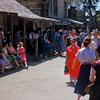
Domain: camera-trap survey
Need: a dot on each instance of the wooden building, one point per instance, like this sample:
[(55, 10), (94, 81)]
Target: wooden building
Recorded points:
[(14, 15), (33, 5)]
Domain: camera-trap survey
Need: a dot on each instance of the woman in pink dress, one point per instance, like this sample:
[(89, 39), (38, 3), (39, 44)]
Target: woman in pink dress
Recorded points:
[(13, 53), (70, 55), (21, 53)]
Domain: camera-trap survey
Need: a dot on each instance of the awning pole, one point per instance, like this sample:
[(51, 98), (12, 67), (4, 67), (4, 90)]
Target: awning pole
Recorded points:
[(12, 29), (36, 49), (34, 26), (41, 25), (24, 33)]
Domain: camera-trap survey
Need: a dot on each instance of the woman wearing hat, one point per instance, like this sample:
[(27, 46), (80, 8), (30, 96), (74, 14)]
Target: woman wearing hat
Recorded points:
[(70, 55)]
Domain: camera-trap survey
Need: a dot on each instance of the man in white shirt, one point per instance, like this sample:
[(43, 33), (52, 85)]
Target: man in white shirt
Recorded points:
[(31, 37), (96, 39), (73, 35)]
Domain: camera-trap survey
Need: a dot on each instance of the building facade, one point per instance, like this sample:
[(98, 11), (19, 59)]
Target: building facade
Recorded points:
[(59, 9), (47, 8), (33, 5)]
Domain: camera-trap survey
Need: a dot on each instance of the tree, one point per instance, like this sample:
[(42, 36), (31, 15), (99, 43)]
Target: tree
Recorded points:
[(79, 3), (76, 3), (98, 17)]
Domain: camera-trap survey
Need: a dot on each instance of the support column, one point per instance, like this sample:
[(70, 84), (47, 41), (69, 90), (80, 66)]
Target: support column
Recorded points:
[(54, 25), (12, 30), (36, 50), (24, 33), (5, 23), (41, 24), (36, 42), (34, 27)]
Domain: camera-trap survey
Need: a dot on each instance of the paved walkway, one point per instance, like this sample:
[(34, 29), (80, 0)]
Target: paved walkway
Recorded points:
[(43, 81)]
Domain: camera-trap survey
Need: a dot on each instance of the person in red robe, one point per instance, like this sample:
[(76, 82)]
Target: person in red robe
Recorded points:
[(70, 55)]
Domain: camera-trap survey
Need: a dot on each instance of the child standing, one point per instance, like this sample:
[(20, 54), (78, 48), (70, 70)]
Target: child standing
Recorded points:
[(21, 53)]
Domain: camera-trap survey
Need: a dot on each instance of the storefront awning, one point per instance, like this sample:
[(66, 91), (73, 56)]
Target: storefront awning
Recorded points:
[(67, 21), (75, 21)]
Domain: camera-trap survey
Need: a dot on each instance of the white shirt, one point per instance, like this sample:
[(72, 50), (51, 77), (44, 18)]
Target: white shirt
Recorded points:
[(74, 37), (35, 36), (30, 36), (95, 40), (85, 55), (92, 45)]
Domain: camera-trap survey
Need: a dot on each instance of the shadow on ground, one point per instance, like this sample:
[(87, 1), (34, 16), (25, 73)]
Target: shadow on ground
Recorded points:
[(70, 84), (11, 71), (31, 62)]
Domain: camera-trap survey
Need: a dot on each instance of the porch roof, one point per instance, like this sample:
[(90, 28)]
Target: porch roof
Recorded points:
[(12, 6)]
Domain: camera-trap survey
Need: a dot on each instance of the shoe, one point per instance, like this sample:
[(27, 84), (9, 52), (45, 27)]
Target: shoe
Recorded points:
[(22, 66), (26, 67), (2, 72), (18, 65), (10, 66), (41, 56), (46, 56), (75, 83)]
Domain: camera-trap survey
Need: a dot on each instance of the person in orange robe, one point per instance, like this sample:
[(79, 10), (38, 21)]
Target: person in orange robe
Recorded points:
[(70, 55)]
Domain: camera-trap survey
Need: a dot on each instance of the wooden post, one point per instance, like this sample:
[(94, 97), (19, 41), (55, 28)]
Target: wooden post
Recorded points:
[(54, 25), (34, 27), (4, 19), (36, 49), (24, 33), (36, 42), (12, 29), (41, 25)]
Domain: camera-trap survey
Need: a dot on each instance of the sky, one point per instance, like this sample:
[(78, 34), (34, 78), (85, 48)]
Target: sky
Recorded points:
[(98, 8)]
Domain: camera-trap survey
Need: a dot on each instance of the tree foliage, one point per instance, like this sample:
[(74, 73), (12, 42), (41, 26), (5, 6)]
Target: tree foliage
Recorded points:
[(77, 3), (98, 17)]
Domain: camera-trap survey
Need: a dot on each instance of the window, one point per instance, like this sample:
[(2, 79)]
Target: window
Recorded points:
[(55, 7), (65, 9)]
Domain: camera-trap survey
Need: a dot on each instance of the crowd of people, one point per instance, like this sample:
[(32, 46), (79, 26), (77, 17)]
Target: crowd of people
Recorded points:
[(82, 53), (82, 60), (12, 53), (10, 56)]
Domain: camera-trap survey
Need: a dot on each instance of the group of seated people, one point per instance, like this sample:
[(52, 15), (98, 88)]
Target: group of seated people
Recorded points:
[(9, 57)]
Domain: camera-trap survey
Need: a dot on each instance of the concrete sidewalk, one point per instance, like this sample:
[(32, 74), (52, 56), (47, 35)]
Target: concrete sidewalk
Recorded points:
[(44, 80)]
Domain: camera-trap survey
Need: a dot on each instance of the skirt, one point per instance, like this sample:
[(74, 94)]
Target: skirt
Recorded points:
[(83, 79), (45, 47)]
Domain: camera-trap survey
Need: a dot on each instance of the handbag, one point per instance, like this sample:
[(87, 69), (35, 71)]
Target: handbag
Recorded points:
[(66, 70), (89, 87)]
